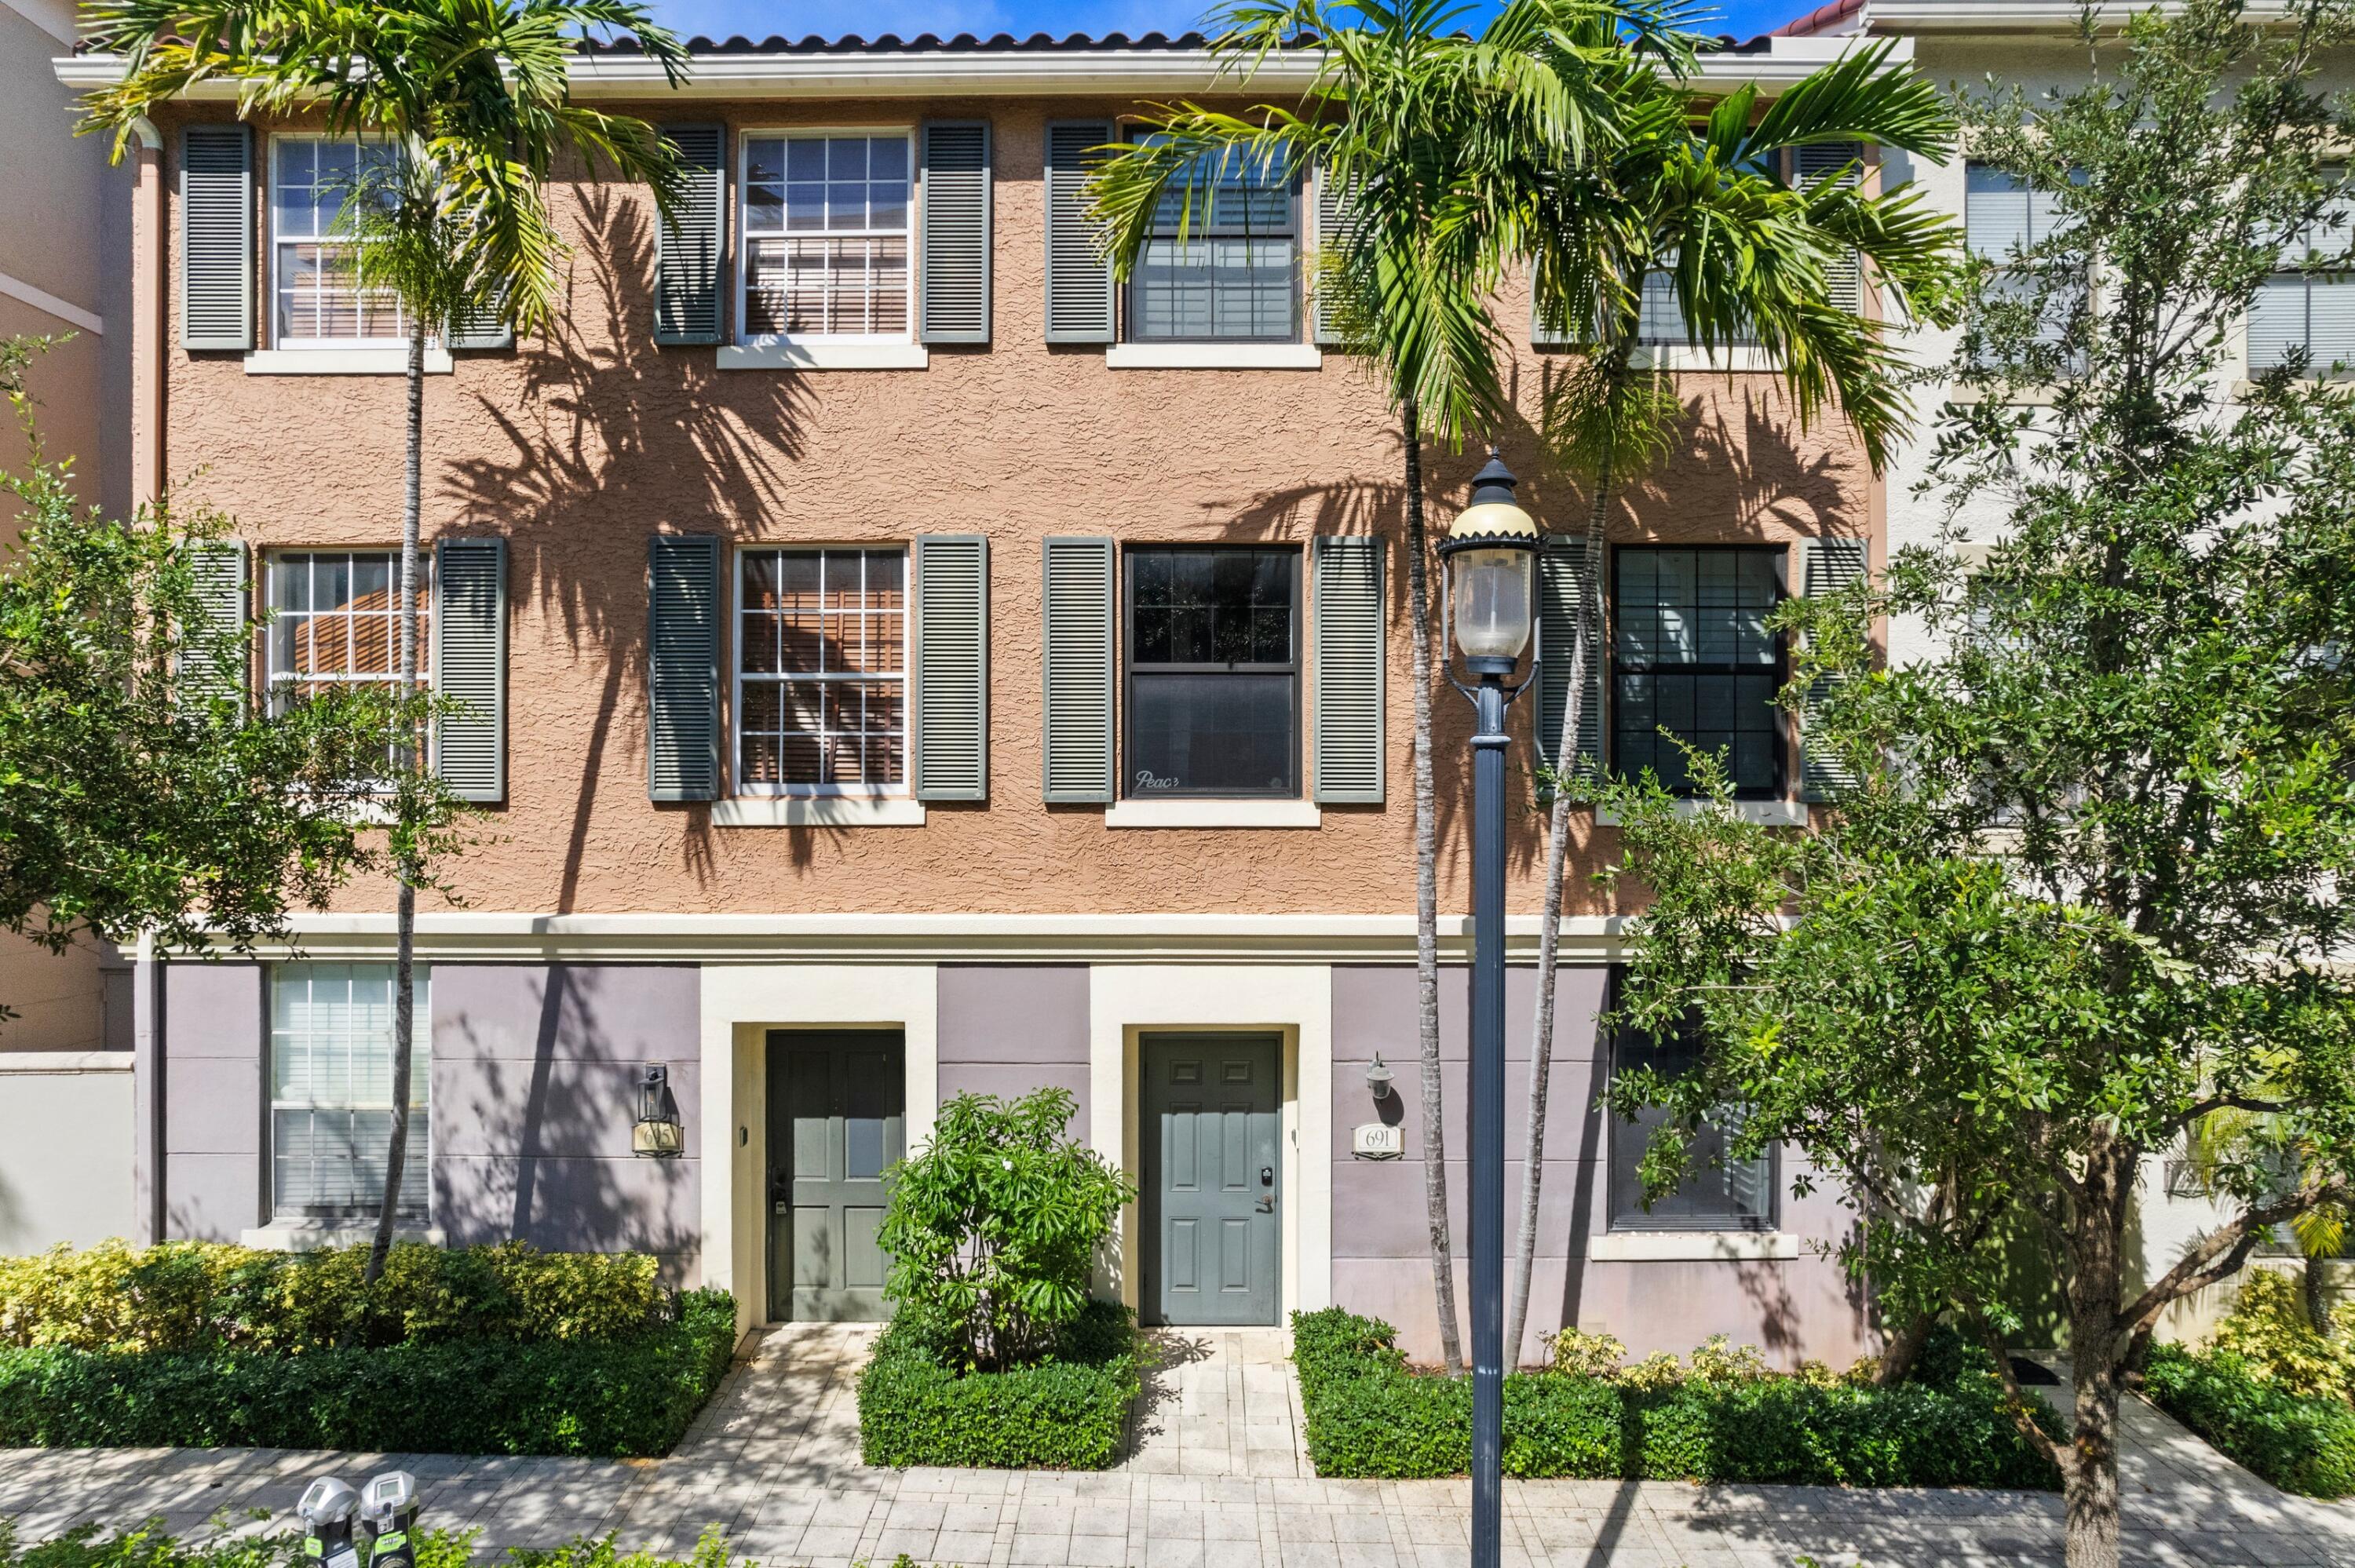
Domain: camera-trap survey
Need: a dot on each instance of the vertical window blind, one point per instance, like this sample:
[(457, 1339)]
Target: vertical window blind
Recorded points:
[(331, 1091)]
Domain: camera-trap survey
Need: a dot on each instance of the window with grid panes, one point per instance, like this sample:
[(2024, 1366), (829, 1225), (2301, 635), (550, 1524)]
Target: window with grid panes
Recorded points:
[(821, 672), (335, 619), (1692, 656), (1222, 260), (2307, 310), (826, 237), (314, 300), (331, 1092), (1718, 1193), (1213, 671)]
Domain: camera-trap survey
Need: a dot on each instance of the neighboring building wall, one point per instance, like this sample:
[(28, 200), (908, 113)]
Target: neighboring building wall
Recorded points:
[(1009, 1029), (65, 1149)]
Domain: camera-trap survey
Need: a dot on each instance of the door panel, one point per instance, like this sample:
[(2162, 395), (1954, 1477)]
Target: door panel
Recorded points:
[(1208, 1114), (837, 1107)]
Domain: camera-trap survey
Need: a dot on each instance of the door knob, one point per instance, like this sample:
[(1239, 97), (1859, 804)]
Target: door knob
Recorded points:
[(1267, 1189)]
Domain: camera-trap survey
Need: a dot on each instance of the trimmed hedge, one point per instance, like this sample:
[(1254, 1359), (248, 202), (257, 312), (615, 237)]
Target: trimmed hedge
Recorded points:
[(1069, 1412), (1369, 1415), (2301, 1443), (618, 1398)]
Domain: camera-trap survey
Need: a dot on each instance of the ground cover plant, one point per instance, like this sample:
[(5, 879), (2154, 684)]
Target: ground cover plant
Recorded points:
[(2273, 1389), (1721, 1415), (995, 1355), (484, 1350)]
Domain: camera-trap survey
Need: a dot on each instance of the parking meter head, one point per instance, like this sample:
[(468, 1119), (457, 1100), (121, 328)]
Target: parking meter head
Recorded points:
[(328, 1502), (389, 1499)]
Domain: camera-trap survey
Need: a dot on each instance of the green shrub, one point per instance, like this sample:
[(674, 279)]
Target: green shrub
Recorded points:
[(2301, 1443), (1725, 1420), (993, 1227), (207, 1295), (622, 1397), (1067, 1411), (2269, 1330), (148, 1546)]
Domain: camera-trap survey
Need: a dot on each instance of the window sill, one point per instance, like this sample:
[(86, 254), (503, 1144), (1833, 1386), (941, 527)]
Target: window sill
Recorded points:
[(2017, 397), (819, 355), (1689, 357), (305, 1235), (342, 362), (1692, 1247), (818, 811), (1214, 356), (1765, 814), (1213, 814)]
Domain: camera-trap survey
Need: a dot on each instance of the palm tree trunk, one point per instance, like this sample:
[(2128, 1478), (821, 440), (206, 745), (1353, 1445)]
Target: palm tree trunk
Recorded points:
[(404, 993), (1426, 897)]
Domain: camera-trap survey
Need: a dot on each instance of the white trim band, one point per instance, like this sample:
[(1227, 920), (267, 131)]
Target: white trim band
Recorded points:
[(1201, 813), (1765, 814), (818, 811), (1214, 356), (342, 362), (809, 354), (42, 299), (14, 1063), (1692, 1247)]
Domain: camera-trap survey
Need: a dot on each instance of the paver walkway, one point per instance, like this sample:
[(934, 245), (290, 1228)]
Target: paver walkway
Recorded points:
[(1210, 1483)]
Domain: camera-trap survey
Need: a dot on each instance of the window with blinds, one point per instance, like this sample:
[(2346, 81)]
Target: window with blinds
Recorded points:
[(821, 672), (331, 1092), (316, 302), (1661, 321), (2305, 313), (1691, 656), (1222, 262), (826, 237), (2003, 217), (1719, 1193)]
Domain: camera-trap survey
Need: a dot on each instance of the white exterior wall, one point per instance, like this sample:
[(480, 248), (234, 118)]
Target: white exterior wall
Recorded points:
[(64, 1148)]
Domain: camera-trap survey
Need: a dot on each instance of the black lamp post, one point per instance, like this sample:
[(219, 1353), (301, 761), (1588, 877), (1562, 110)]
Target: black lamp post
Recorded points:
[(1490, 556)]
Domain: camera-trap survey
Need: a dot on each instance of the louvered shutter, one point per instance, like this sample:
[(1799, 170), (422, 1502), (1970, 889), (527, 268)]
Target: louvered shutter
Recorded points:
[(952, 667), (1346, 667), (1081, 578), (470, 666), (1563, 569), (954, 282), (1545, 334), (1843, 280), (689, 246), (217, 238), (1826, 567), (219, 567), (1332, 217), (486, 328), (683, 667), (1079, 274)]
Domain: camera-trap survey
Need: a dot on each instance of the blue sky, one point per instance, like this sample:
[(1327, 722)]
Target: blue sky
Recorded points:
[(759, 18)]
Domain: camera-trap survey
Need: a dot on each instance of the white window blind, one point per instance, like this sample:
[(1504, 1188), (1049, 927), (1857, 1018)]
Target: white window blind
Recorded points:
[(2307, 312), (316, 304), (1222, 260), (331, 1091), (826, 237)]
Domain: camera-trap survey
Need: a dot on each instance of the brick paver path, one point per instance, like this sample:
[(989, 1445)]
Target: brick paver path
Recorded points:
[(1216, 1480)]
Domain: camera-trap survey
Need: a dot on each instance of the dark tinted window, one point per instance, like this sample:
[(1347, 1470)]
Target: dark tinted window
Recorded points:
[(1214, 672), (1716, 1195), (1692, 656)]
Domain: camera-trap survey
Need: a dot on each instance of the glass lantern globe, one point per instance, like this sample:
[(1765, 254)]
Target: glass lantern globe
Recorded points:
[(1491, 555)]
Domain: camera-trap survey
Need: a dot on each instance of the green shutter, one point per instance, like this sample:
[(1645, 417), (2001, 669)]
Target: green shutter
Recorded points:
[(1844, 278), (1564, 570), (1826, 566), (689, 246), (217, 238), (219, 567), (1346, 712), (1079, 273), (953, 286), (952, 667), (487, 327), (1081, 578), (683, 667), (470, 666), (1332, 220)]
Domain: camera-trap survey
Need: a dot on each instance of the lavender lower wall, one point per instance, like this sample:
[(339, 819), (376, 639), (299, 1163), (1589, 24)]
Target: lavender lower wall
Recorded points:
[(213, 1110), (1381, 1263), (1009, 1029)]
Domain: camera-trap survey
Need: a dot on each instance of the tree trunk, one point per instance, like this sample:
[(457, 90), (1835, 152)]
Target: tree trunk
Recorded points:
[(1426, 896), (2090, 1485), (2317, 1294), (404, 993), (1903, 1350)]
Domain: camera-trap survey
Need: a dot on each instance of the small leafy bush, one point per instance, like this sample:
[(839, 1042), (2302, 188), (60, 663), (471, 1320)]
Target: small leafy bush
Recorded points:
[(1725, 1418), (2269, 1331), (184, 1296), (994, 1226), (2301, 1443), (1069, 1410), (149, 1546), (620, 1397), (585, 1551)]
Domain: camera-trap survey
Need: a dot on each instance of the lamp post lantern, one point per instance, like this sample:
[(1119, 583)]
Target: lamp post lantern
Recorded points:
[(1490, 557)]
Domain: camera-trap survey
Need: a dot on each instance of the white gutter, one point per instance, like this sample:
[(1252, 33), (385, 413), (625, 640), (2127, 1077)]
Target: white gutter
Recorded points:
[(1013, 73), (2057, 16)]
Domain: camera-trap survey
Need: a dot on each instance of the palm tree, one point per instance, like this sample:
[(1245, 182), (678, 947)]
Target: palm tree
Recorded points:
[(1438, 138), (472, 100), (1698, 195)]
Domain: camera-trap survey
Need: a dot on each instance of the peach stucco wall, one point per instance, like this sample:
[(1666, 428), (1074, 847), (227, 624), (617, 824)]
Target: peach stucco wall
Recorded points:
[(581, 445)]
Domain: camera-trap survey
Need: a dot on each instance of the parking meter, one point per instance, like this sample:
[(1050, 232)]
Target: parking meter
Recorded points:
[(329, 1511), (388, 1508)]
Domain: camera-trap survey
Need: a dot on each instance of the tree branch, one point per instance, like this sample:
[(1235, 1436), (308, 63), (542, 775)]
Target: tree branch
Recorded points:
[(2223, 1252), (2015, 1402)]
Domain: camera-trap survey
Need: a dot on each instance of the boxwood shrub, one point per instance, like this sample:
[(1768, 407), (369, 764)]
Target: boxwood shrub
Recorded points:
[(2299, 1441), (1068, 1412), (624, 1397), (1369, 1415)]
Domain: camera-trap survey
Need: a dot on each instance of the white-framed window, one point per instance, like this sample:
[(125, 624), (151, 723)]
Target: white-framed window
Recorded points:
[(331, 1092), (2301, 313), (2004, 216), (827, 237), (1719, 1192), (1222, 263), (821, 700), (335, 619), (313, 302)]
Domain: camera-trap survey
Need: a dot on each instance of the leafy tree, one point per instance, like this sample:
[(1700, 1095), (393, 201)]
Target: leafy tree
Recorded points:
[(2086, 894), (1697, 194), (994, 1226), (139, 790), (472, 101), (1444, 143)]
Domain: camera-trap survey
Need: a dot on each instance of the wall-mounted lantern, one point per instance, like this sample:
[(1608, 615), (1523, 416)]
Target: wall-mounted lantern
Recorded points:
[(1378, 1077), (657, 1134)]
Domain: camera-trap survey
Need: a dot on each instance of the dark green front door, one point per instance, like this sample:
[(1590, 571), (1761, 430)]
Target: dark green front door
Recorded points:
[(837, 1117), (1209, 1119)]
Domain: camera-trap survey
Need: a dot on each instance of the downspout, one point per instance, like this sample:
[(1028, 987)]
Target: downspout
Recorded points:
[(148, 269)]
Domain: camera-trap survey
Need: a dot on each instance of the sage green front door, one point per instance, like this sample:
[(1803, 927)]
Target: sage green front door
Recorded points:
[(837, 1118), (1211, 1126)]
